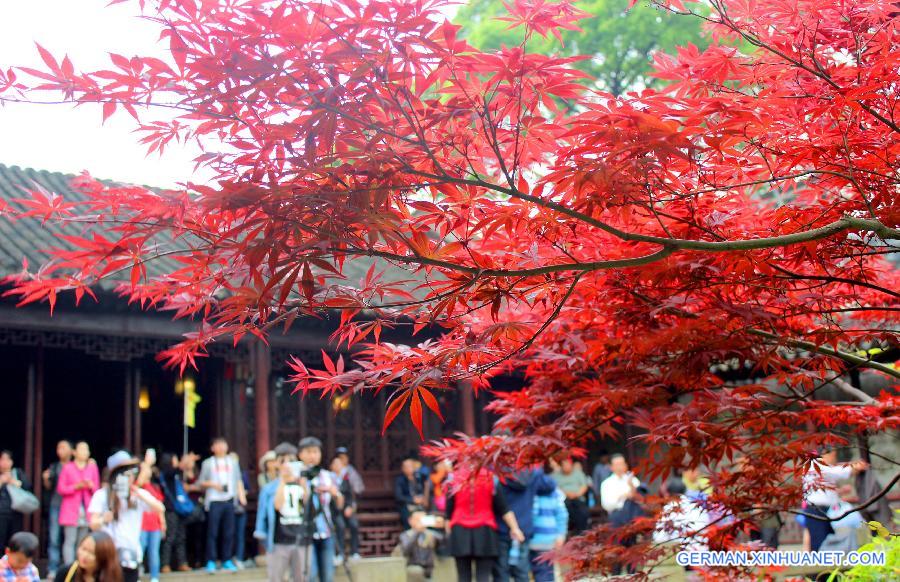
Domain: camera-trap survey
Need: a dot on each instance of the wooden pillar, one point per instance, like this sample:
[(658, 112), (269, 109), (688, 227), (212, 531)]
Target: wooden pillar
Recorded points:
[(356, 456), (129, 412), (275, 427), (304, 417), (138, 430), (330, 417), (233, 387), (36, 474), (31, 431), (386, 469), (262, 362), (467, 404)]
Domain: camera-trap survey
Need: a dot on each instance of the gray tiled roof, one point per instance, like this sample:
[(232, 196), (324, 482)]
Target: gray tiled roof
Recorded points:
[(29, 238)]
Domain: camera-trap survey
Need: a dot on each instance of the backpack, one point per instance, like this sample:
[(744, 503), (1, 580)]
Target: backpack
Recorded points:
[(181, 503)]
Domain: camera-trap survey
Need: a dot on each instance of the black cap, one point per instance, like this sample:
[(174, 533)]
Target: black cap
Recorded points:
[(341, 451), (308, 442)]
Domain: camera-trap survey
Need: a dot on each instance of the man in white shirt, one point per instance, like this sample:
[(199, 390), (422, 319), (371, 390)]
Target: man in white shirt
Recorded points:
[(220, 476), (820, 494), (619, 496), (618, 487)]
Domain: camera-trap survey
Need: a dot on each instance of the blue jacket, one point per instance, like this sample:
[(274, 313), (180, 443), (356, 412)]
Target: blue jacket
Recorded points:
[(551, 520), (265, 515), (519, 491)]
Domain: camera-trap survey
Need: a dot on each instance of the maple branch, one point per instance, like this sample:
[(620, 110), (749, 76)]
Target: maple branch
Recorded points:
[(760, 182), (362, 305), (852, 391), (842, 224), (833, 279), (826, 351), (856, 309), (809, 346), (815, 71), (712, 523), (559, 268), (861, 506), (525, 345)]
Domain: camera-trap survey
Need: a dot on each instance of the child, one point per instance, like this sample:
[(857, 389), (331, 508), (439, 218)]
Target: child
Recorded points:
[(418, 544), (550, 522), (16, 565)]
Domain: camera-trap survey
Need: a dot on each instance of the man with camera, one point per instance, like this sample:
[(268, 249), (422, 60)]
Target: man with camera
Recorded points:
[(325, 503), (280, 524), (295, 518)]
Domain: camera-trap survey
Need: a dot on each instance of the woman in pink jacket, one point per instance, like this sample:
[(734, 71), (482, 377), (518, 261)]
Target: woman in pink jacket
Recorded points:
[(78, 481)]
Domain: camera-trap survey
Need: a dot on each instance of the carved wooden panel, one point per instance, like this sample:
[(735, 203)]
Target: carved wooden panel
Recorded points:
[(110, 348)]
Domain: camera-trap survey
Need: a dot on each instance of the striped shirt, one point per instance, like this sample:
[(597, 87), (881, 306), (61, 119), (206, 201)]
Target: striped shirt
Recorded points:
[(550, 519)]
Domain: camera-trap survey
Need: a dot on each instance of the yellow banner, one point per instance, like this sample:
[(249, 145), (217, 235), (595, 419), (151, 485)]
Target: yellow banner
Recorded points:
[(191, 399)]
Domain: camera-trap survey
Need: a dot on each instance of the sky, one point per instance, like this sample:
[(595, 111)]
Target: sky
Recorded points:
[(61, 138), (66, 139)]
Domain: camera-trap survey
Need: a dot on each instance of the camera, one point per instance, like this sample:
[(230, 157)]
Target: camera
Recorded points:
[(301, 470)]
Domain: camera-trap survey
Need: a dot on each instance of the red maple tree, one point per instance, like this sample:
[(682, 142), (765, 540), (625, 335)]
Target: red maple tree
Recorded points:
[(618, 251)]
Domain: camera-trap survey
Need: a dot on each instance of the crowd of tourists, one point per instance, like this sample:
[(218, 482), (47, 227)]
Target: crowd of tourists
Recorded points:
[(499, 529), (108, 522)]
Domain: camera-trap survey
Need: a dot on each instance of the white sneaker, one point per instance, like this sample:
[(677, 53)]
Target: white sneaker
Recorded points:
[(338, 560), (356, 557)]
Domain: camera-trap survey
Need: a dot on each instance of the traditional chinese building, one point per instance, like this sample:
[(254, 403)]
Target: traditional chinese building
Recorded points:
[(89, 373)]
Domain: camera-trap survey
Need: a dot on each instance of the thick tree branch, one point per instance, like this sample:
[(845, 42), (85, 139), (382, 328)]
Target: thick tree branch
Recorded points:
[(842, 224), (852, 391), (826, 351), (560, 268)]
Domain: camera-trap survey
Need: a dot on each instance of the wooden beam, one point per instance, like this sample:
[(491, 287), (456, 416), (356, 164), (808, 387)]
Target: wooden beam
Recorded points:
[(139, 324)]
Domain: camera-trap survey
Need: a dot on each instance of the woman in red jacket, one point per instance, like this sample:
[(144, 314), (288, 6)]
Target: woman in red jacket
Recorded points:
[(474, 506)]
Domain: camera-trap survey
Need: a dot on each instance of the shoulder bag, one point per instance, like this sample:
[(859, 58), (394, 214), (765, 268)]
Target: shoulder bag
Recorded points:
[(21, 500)]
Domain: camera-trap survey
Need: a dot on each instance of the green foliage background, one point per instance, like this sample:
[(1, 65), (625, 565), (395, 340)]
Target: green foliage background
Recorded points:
[(622, 41), (890, 570)]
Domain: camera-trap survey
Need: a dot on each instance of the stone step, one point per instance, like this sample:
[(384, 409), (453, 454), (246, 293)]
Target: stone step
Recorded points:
[(385, 569)]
